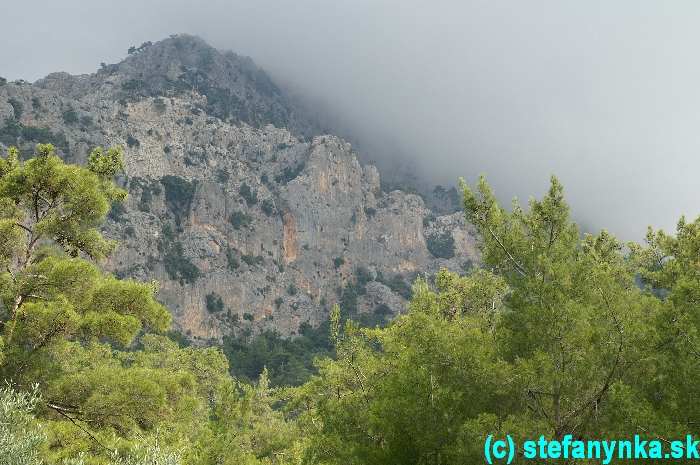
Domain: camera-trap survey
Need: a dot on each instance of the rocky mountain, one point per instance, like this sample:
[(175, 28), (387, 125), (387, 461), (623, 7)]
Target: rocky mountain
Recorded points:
[(247, 217)]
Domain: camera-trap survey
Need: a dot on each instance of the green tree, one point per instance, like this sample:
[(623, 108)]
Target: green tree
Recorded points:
[(667, 393)]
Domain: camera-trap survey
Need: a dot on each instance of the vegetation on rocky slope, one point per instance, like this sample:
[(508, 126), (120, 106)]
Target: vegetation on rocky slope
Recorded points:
[(555, 334)]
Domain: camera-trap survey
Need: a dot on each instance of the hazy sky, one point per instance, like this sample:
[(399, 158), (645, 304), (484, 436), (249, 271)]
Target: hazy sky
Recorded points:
[(604, 94)]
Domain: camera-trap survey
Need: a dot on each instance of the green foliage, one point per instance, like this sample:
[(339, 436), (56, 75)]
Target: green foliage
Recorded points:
[(71, 117), (232, 262), (338, 262), (248, 194), (397, 284), (148, 188), (289, 361), (252, 260), (111, 391), (215, 303), (21, 436), (117, 212), (179, 194), (222, 176), (441, 245), (14, 132), (268, 207), (177, 265), (292, 289), (17, 107), (557, 334), (132, 142), (240, 219)]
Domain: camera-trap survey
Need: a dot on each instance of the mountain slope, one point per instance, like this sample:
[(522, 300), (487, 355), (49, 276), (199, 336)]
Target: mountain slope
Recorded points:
[(246, 220)]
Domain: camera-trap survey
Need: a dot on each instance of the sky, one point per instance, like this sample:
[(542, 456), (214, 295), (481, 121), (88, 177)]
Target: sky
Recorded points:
[(605, 95)]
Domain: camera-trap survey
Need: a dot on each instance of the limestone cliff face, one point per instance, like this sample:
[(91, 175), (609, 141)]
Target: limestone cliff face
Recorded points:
[(244, 219)]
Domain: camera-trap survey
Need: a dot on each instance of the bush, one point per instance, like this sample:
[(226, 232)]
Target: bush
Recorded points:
[(248, 194), (21, 437), (248, 316), (292, 289), (240, 219), (252, 260), (268, 207), (399, 285), (215, 303), (222, 176), (278, 302), (178, 266), (17, 107), (70, 117), (179, 193), (116, 212), (14, 133), (86, 121), (232, 262), (132, 142), (441, 245), (338, 262)]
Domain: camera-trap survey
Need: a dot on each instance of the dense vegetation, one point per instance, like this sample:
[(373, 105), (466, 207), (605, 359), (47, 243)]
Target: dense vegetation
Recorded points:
[(557, 333)]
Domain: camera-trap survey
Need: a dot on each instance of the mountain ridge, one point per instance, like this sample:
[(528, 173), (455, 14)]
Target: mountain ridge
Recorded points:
[(248, 218)]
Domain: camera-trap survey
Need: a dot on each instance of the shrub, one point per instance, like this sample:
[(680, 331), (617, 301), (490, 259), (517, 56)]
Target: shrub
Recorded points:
[(292, 289), (362, 275), (399, 286), (370, 212), (252, 260), (338, 262), (278, 302), (248, 194), (179, 193), (232, 262), (132, 142), (14, 133), (17, 107), (21, 436), (86, 121), (222, 176), (441, 245), (116, 212), (240, 219), (268, 207), (248, 316), (178, 266), (215, 303), (70, 116)]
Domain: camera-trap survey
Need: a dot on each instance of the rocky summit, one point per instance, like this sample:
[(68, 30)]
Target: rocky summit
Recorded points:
[(245, 214)]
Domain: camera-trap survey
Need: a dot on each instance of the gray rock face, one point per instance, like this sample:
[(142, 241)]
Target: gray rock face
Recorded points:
[(244, 220)]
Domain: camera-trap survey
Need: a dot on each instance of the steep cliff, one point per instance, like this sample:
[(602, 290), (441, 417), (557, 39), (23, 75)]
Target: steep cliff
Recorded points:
[(245, 215)]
